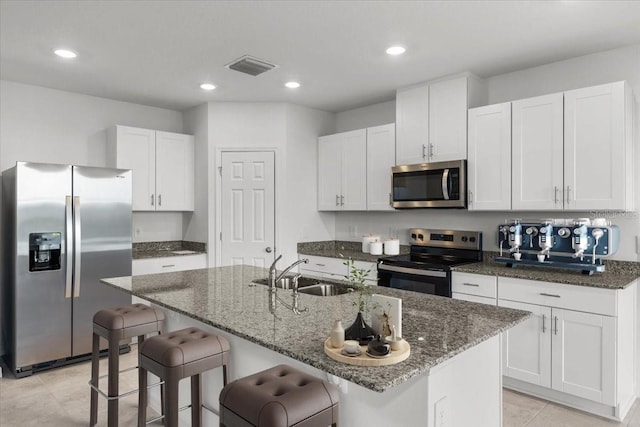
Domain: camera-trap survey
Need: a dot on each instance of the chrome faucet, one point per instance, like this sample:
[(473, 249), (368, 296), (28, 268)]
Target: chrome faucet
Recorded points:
[(275, 278)]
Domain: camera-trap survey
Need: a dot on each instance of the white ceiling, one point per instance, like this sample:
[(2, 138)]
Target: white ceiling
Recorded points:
[(158, 52)]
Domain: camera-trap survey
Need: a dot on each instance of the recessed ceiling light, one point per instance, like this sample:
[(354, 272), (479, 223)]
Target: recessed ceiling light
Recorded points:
[(65, 53), (396, 50), (292, 85), (207, 86)]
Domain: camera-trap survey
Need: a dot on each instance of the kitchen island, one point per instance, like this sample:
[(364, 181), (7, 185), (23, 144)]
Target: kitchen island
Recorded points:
[(453, 371)]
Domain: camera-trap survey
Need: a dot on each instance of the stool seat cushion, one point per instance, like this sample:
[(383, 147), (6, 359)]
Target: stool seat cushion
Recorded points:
[(127, 316), (280, 396), (183, 347)]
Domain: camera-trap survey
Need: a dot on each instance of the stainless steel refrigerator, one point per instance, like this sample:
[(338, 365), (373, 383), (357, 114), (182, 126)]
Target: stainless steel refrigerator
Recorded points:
[(63, 228)]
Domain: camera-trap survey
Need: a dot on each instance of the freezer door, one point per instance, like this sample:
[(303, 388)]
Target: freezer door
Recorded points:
[(102, 221), (42, 322)]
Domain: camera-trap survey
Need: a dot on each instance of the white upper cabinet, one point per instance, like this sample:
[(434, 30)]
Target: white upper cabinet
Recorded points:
[(162, 165), (537, 153), (381, 155), (431, 120), (598, 154), (489, 163), (412, 125), (342, 171), (448, 120), (175, 176)]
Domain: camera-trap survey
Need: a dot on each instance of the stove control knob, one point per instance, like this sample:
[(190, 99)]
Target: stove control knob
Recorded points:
[(413, 236), (472, 239), (464, 238), (420, 237)]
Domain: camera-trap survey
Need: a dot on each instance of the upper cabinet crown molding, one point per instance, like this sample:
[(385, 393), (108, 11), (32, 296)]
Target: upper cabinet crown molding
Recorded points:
[(431, 119), (162, 164)]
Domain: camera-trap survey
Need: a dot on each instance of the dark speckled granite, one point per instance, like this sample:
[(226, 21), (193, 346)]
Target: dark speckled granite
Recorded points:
[(617, 274), (225, 297), (341, 249), (164, 249)]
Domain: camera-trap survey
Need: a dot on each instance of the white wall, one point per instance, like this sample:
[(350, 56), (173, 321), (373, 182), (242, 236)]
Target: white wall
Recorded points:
[(609, 66), (292, 132), (372, 115)]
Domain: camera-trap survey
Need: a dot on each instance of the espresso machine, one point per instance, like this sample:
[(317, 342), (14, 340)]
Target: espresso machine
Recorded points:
[(577, 244)]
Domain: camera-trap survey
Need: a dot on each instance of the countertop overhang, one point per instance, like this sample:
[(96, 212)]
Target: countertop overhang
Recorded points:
[(226, 298)]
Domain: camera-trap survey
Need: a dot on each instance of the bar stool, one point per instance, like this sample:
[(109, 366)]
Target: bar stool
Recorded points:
[(279, 397), (180, 354), (117, 324)]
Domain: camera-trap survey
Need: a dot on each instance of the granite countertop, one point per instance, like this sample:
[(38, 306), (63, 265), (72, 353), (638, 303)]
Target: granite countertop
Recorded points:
[(225, 297), (145, 250), (341, 249), (617, 274)]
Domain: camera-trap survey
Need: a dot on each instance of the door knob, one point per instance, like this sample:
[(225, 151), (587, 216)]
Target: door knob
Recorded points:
[(268, 250)]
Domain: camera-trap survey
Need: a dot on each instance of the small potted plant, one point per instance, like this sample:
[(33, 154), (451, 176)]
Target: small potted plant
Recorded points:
[(359, 330)]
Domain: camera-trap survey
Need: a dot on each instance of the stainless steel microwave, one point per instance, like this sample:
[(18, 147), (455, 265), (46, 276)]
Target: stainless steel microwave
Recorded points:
[(430, 185)]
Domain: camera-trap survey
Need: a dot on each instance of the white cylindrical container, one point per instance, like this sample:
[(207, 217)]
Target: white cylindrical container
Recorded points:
[(392, 247), (375, 248), (337, 335), (367, 239)]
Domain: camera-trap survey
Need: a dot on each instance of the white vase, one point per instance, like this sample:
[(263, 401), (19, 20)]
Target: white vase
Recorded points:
[(336, 338)]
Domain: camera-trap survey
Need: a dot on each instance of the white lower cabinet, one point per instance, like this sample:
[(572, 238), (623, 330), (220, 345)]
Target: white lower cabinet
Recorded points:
[(474, 288), (168, 264), (565, 348)]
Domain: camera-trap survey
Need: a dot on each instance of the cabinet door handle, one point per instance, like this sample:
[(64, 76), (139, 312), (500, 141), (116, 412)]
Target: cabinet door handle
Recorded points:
[(159, 199), (390, 200), (470, 197), (152, 200), (555, 329), (430, 151), (544, 319), (341, 200), (337, 200), (568, 194), (555, 194), (424, 152), (472, 284), (549, 295)]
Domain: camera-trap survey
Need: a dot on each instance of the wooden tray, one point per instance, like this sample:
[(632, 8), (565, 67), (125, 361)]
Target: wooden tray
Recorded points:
[(396, 356)]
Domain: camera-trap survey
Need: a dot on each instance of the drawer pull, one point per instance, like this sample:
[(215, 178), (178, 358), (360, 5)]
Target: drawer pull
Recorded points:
[(168, 265), (544, 319), (549, 295), (472, 284), (321, 265)]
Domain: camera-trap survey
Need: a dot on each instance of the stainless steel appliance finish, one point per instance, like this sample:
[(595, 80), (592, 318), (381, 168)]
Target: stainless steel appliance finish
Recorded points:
[(64, 228), (429, 185), (427, 268)]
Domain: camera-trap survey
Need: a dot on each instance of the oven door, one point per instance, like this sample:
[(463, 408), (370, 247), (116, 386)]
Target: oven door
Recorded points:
[(416, 280)]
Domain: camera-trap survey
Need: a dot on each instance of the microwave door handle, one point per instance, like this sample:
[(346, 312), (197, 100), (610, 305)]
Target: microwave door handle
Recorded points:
[(445, 184)]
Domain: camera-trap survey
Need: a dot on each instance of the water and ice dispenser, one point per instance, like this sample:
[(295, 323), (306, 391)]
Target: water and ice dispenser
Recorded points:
[(578, 244), (44, 251)]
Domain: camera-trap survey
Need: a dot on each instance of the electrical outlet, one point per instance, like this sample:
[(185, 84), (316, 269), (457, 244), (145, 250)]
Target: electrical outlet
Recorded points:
[(138, 232), (441, 409)]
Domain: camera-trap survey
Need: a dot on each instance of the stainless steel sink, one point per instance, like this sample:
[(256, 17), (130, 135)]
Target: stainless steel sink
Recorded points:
[(287, 282), (325, 290)]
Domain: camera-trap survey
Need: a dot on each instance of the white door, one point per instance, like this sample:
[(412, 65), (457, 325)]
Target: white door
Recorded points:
[(136, 150), (584, 355), (412, 125), (175, 172), (381, 157), (594, 147), (247, 208), (538, 153), (489, 163), (329, 172), (353, 183), (526, 348), (448, 120)]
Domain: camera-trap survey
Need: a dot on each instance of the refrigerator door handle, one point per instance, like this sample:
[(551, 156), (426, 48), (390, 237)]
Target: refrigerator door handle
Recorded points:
[(76, 246), (68, 245)]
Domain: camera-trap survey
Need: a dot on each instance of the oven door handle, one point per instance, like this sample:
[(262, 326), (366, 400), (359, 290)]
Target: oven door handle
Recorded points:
[(445, 184), (430, 273)]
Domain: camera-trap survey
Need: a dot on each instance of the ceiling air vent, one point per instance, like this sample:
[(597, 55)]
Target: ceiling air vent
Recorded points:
[(250, 65)]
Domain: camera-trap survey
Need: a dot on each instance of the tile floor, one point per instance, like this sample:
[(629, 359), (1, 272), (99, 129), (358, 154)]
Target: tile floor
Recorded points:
[(60, 397)]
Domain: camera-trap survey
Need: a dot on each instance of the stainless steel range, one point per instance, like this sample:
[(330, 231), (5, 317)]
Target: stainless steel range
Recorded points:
[(427, 268)]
